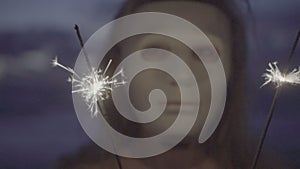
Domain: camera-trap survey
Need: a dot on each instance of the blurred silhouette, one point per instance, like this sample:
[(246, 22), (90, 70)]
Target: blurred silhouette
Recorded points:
[(229, 147)]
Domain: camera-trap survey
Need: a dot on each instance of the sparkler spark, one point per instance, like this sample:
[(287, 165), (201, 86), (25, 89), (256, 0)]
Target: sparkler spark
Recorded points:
[(94, 86), (275, 76)]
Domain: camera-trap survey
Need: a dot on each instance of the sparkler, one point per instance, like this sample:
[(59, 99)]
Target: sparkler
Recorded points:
[(98, 104), (274, 75), (94, 86)]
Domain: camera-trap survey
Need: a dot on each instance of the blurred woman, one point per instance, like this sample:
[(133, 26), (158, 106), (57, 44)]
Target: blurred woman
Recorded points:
[(227, 147)]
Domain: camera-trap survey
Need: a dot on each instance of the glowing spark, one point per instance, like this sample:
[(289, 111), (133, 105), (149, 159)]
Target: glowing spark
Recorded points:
[(275, 76), (94, 86)]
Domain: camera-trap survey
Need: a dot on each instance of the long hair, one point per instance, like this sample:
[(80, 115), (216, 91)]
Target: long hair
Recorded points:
[(229, 141)]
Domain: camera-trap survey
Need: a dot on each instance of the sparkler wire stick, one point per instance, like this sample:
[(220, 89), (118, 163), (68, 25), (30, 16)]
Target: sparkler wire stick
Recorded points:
[(273, 105), (83, 48), (91, 68)]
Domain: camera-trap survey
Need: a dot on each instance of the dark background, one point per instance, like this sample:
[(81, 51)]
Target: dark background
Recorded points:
[(38, 124)]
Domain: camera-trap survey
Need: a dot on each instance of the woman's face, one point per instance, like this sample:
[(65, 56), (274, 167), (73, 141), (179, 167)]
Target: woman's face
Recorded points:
[(215, 25)]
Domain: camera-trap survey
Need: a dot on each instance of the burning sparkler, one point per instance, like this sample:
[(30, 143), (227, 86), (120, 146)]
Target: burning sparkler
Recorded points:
[(94, 86), (275, 76)]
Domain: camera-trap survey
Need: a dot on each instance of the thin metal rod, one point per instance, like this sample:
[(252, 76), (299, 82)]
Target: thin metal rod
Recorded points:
[(76, 27), (273, 105), (262, 139), (100, 105), (292, 52), (119, 162), (90, 68)]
